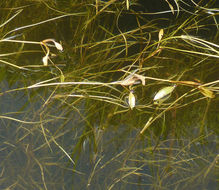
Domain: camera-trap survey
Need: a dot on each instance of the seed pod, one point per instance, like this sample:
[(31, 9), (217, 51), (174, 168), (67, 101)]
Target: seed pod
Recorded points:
[(163, 94), (131, 100)]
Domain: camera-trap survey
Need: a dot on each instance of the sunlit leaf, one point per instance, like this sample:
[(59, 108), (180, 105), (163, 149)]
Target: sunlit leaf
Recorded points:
[(206, 92), (133, 79), (163, 94), (46, 57), (128, 81), (127, 4), (131, 100), (58, 46), (141, 78), (45, 60), (160, 35)]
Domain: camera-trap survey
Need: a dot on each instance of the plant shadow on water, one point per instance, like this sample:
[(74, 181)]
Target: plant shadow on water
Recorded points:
[(109, 95)]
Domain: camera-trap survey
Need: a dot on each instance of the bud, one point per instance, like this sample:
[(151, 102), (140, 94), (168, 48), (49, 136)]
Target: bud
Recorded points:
[(45, 60), (131, 100), (58, 46)]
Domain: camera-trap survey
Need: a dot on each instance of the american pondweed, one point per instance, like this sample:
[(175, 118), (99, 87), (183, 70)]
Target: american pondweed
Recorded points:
[(67, 125)]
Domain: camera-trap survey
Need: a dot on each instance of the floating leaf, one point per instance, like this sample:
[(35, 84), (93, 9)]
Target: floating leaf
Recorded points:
[(160, 35), (206, 92), (58, 46), (141, 78), (163, 94), (131, 100), (45, 59), (128, 81), (132, 79)]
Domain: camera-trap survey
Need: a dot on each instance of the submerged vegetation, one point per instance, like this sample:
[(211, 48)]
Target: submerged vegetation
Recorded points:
[(114, 94)]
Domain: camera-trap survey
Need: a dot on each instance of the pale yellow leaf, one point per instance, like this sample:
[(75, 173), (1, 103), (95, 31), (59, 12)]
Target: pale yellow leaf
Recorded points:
[(206, 92), (160, 35), (45, 60), (127, 4), (58, 46), (131, 100)]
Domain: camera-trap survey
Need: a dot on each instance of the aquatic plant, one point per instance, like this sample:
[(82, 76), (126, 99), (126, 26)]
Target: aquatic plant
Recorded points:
[(79, 80)]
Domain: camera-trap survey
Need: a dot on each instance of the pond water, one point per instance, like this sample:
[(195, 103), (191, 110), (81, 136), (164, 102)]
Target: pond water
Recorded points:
[(65, 118)]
